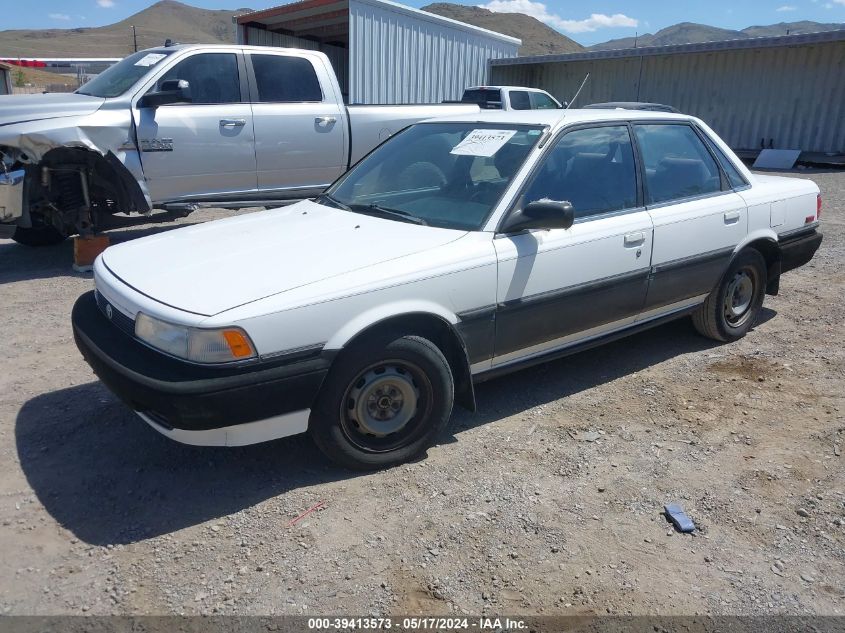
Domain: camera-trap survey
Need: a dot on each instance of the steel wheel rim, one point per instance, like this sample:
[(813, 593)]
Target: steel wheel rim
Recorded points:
[(739, 297), (384, 405)]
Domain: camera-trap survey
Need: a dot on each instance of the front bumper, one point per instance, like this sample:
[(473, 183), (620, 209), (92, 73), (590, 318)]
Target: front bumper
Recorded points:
[(11, 195), (797, 250), (178, 397)]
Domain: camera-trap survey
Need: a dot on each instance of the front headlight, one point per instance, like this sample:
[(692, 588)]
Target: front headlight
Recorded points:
[(194, 344)]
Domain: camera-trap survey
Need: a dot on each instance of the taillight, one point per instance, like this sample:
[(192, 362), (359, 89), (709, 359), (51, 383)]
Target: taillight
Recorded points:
[(818, 206)]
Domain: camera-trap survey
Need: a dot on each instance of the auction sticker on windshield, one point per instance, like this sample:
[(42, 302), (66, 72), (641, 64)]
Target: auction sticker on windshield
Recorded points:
[(150, 59), (482, 143)]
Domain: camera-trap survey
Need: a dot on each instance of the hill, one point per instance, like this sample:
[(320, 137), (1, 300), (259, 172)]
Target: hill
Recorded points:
[(537, 38), (163, 20), (691, 33)]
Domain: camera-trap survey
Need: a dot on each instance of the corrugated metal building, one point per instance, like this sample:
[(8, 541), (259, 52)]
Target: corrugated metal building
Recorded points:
[(787, 90), (383, 52)]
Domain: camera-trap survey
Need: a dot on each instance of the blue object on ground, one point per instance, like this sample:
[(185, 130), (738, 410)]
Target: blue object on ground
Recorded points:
[(675, 513)]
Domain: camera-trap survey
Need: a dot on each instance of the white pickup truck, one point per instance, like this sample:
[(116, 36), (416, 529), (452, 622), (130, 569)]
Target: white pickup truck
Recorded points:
[(510, 98), (363, 315), (176, 126)]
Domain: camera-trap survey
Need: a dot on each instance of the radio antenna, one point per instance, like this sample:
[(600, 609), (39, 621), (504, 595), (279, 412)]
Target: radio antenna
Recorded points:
[(583, 83)]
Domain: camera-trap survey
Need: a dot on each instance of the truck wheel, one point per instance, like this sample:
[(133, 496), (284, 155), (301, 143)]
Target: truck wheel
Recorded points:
[(384, 401), (731, 309), (44, 235)]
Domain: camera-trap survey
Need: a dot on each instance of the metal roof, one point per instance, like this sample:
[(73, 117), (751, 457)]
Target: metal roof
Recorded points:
[(677, 49), (314, 9)]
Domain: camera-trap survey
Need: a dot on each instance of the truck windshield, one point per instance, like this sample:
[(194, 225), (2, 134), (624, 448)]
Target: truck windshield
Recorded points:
[(449, 175), (117, 79)]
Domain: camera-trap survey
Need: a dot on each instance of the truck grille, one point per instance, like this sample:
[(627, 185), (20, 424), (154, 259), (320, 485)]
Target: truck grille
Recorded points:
[(123, 322)]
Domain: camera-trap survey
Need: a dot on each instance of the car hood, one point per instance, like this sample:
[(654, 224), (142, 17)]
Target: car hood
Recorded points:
[(212, 267), (21, 108)]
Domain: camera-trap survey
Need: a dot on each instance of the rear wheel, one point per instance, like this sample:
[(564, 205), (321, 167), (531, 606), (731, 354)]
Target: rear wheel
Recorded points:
[(731, 309), (385, 401)]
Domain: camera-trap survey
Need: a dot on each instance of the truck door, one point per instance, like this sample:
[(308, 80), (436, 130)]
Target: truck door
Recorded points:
[(204, 148), (300, 126)]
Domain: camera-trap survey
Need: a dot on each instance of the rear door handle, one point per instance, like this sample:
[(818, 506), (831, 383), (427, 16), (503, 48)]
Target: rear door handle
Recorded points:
[(232, 122), (634, 239), (325, 121), (731, 217)]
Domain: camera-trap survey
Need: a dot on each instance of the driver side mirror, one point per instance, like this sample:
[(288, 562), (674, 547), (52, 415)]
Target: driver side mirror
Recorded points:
[(170, 91), (542, 214)]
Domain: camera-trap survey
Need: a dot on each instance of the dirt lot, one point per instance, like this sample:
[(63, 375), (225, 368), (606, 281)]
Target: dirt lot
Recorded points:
[(519, 510)]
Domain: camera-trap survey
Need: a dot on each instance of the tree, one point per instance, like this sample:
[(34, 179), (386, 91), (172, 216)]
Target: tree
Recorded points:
[(20, 79)]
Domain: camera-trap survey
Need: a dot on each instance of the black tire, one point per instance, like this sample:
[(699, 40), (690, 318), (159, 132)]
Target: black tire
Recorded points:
[(385, 401), (731, 310), (39, 236)]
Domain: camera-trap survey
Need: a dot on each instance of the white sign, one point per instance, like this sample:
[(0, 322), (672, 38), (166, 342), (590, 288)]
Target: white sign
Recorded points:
[(150, 59), (483, 142)]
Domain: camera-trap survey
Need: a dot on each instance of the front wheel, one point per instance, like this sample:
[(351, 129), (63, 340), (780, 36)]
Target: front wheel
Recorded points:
[(384, 402), (43, 235), (731, 309)]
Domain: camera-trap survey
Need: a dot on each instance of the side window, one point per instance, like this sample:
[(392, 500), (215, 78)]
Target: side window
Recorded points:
[(540, 101), (519, 100), (213, 77), (677, 164), (592, 168), (281, 79), (734, 176)]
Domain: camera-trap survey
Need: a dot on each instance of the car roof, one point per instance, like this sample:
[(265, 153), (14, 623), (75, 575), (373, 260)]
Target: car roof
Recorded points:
[(633, 105), (556, 118), (505, 88)]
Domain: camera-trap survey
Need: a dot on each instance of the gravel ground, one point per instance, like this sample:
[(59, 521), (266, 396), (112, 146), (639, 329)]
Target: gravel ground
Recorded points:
[(546, 501)]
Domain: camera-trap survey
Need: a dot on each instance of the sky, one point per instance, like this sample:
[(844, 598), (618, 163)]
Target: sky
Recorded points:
[(585, 22)]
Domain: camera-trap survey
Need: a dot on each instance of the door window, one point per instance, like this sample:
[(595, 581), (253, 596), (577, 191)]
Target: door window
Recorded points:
[(213, 77), (540, 101), (519, 100), (281, 79), (677, 164), (592, 168)]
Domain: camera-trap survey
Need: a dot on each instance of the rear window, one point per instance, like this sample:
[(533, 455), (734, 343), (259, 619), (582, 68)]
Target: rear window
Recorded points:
[(281, 79), (519, 100), (486, 99)]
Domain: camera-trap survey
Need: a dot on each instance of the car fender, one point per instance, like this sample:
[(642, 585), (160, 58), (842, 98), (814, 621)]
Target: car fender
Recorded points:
[(753, 236), (377, 314), (106, 132)]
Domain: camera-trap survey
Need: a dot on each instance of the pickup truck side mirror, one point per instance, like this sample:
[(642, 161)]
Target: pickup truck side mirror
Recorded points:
[(542, 214), (170, 91)]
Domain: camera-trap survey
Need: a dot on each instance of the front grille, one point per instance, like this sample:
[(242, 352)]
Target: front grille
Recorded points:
[(123, 322)]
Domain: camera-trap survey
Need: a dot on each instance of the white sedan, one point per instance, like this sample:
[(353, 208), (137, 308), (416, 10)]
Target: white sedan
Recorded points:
[(458, 250)]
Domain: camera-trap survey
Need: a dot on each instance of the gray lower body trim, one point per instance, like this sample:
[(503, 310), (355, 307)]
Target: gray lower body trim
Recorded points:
[(681, 279)]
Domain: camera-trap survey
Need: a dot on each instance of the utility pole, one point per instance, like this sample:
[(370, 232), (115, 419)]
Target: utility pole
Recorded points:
[(134, 38)]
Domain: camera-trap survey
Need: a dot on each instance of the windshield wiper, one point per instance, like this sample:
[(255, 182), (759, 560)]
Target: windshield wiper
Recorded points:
[(332, 201), (396, 214)]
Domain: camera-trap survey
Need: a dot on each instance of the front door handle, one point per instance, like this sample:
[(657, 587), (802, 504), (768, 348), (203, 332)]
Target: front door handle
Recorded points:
[(731, 217), (325, 121), (634, 239), (232, 122)]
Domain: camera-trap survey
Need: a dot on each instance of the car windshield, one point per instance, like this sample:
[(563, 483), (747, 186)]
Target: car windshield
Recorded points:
[(449, 175), (117, 79)]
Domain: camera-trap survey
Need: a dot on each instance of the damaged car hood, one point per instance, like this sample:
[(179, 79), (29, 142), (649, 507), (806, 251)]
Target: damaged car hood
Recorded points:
[(213, 267), (22, 108)]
